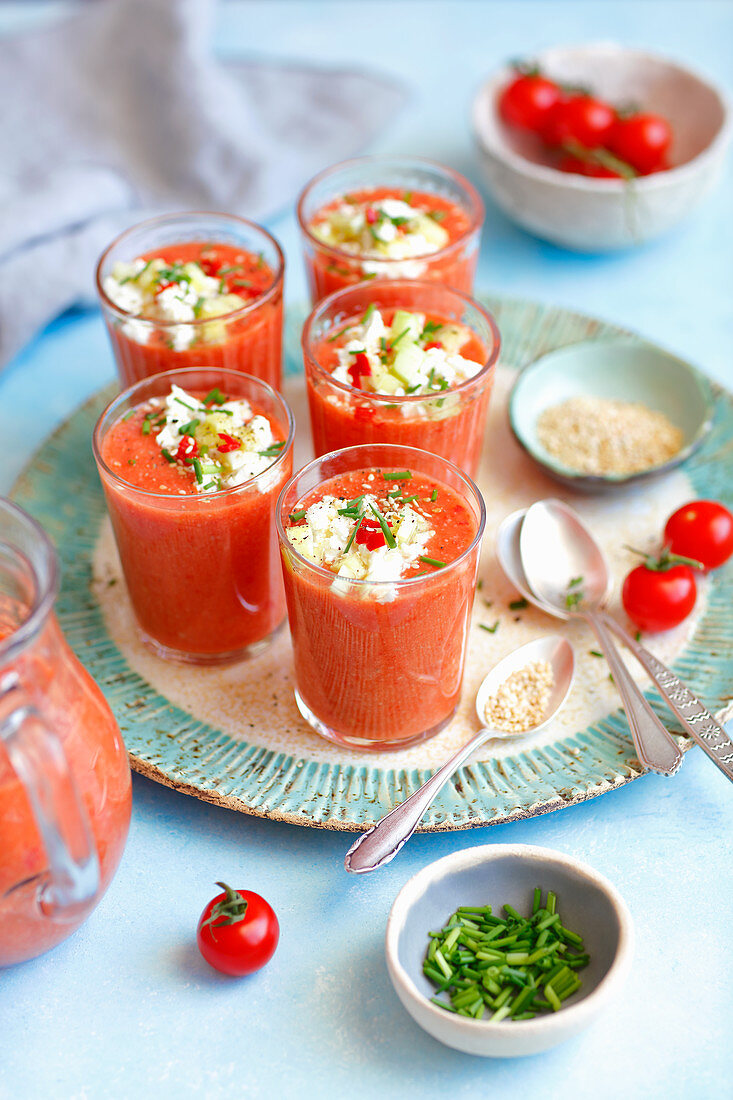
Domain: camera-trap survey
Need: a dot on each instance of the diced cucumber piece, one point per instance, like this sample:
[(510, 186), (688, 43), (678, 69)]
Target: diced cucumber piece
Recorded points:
[(452, 337), (413, 322), (408, 361)]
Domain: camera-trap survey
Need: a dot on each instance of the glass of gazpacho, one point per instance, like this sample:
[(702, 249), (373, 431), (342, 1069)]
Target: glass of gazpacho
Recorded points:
[(188, 290), (192, 463), (401, 362), (380, 547), (65, 789), (389, 218)]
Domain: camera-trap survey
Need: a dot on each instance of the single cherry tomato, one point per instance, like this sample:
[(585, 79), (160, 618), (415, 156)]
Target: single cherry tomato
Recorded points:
[(702, 529), (527, 102), (642, 141), (661, 592), (238, 931), (581, 119)]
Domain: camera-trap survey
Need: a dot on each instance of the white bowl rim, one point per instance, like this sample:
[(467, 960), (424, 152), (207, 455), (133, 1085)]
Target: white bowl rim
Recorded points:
[(575, 1015), (484, 100)]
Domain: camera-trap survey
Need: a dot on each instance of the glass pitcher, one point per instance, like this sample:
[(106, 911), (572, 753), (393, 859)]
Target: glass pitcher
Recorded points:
[(65, 790)]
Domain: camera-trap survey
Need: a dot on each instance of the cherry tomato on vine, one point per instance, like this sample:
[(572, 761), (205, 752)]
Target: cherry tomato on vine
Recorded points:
[(660, 593), (642, 141), (580, 119), (527, 101), (702, 529), (237, 932)]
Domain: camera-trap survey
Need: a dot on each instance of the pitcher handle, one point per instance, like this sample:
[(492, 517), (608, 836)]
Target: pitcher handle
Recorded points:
[(38, 759)]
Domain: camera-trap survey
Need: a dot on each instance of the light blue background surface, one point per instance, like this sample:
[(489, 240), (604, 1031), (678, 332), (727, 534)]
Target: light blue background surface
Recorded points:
[(127, 1008)]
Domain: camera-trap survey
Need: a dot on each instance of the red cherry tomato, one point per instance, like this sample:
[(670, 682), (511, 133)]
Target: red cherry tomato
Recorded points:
[(582, 119), (642, 141), (527, 102), (702, 529), (238, 931), (659, 597)]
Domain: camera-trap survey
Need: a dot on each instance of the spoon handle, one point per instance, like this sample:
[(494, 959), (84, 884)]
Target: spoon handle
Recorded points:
[(696, 719), (382, 842), (655, 746)]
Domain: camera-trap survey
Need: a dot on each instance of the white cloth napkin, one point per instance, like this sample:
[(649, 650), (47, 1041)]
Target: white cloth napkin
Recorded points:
[(121, 111)]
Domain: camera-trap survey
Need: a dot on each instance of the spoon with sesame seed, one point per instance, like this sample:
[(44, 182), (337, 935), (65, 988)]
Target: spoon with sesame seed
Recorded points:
[(519, 696)]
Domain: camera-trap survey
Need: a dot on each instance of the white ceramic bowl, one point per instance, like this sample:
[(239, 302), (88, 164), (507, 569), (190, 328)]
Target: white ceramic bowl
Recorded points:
[(498, 874), (592, 215)]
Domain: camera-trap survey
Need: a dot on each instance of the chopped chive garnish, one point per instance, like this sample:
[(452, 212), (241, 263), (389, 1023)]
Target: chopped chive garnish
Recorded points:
[(386, 529), (369, 311), (296, 517), (407, 197), (518, 605), (190, 428), (146, 427), (212, 485), (538, 972), (398, 338), (408, 499), (595, 653), (638, 635), (400, 475), (352, 536), (434, 496), (574, 582), (336, 335), (490, 629), (272, 450), (433, 561), (436, 215), (197, 470), (128, 414), (214, 397), (167, 455)]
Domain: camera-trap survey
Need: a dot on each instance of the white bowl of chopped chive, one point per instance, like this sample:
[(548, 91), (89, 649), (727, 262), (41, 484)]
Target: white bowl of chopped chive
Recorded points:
[(507, 949), (599, 215), (601, 415)]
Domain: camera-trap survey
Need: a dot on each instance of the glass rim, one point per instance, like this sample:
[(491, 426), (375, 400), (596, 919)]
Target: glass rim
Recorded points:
[(475, 207), (162, 219), (219, 494), (321, 570), (406, 284), (45, 594)]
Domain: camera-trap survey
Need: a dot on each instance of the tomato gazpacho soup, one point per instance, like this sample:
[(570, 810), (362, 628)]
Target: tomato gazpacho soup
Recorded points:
[(191, 477), (204, 299), (412, 366), (63, 732), (389, 218), (380, 570)]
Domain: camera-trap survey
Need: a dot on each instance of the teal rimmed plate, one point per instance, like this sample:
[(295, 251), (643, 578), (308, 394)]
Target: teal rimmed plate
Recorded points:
[(234, 737)]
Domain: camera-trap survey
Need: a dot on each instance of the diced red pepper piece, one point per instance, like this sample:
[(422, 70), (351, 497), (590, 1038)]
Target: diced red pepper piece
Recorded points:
[(359, 368), (210, 267), (434, 344), (228, 443), (163, 285), (370, 534), (187, 448), (371, 215)]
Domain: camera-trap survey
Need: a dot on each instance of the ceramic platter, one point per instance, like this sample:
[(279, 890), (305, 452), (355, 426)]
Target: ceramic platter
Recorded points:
[(234, 737)]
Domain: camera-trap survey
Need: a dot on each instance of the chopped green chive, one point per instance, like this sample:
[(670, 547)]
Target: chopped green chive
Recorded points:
[(190, 428), (369, 311), (574, 582), (407, 197), (594, 653), (518, 605), (401, 335), (433, 561), (336, 335), (146, 426), (167, 455), (399, 475), (436, 215), (490, 629), (197, 470), (352, 536), (128, 414), (434, 497), (296, 517), (214, 397), (272, 450)]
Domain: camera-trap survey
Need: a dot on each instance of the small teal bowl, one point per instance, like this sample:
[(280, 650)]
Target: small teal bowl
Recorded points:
[(619, 370)]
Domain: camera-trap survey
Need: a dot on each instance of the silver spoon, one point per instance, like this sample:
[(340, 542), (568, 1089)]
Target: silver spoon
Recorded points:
[(697, 721), (567, 570), (383, 841)]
